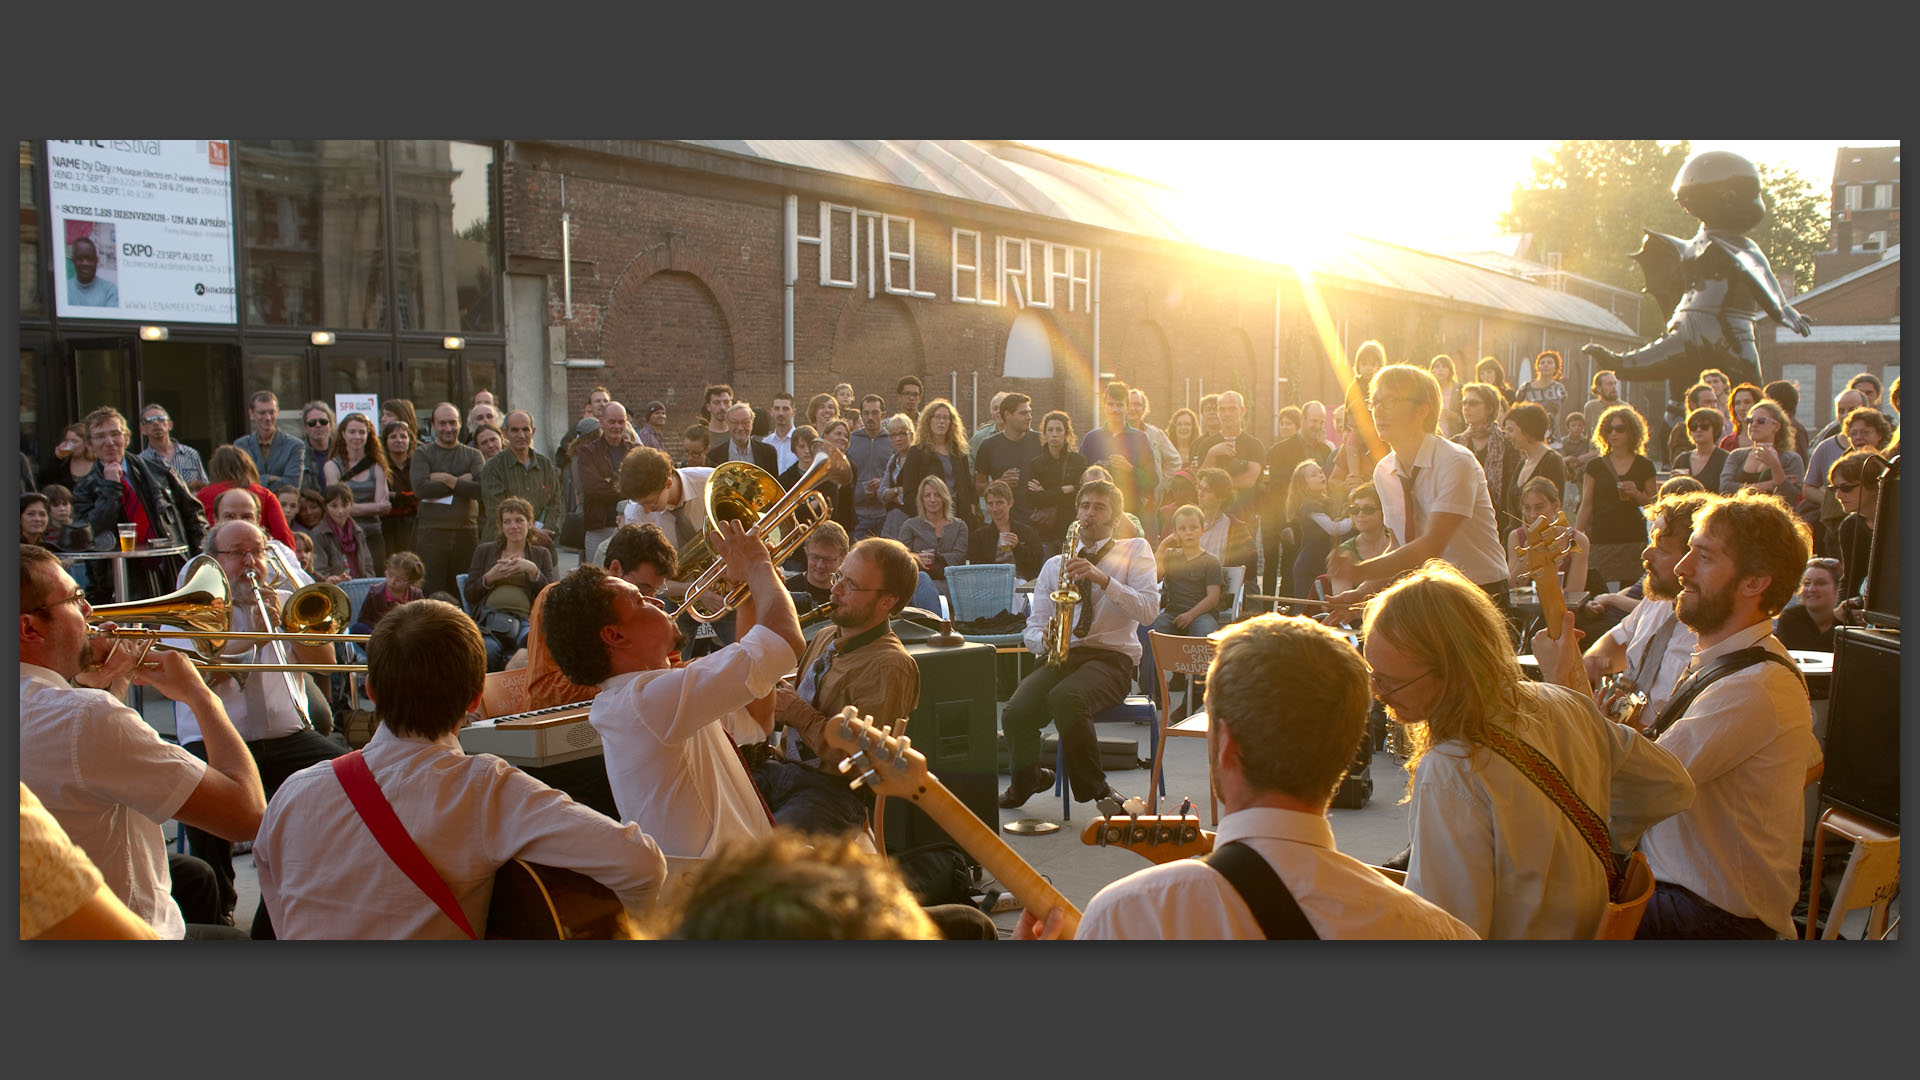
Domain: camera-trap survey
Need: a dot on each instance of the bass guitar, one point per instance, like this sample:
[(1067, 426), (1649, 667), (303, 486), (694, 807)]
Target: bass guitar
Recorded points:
[(891, 766), (1158, 839)]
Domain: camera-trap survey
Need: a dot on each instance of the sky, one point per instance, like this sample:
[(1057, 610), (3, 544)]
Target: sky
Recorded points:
[(1260, 198)]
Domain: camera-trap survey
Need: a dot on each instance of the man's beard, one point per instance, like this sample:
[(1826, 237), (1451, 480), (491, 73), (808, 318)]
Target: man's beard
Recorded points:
[(1704, 613), (1651, 585)]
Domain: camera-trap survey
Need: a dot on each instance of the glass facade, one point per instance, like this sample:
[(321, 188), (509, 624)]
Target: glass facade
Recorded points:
[(30, 299), (313, 234)]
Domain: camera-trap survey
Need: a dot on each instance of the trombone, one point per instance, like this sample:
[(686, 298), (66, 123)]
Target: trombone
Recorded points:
[(201, 610), (743, 492)]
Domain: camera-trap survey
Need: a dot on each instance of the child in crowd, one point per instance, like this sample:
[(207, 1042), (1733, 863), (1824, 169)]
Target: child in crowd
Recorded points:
[(1191, 584), (340, 551), (405, 573)]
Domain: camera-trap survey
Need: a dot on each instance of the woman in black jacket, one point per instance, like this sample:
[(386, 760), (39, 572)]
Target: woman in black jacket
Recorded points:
[(940, 449), (989, 541), (505, 576), (1055, 480)]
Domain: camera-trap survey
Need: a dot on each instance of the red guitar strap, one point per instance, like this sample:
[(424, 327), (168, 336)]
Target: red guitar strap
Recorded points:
[(365, 794)]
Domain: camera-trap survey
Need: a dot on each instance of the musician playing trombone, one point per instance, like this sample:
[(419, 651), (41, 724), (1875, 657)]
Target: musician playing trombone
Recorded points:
[(270, 709)]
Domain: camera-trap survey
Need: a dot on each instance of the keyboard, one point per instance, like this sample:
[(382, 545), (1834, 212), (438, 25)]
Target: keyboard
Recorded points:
[(537, 738)]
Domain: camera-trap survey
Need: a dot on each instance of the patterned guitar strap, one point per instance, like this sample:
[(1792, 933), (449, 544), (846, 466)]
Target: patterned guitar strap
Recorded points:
[(1549, 779)]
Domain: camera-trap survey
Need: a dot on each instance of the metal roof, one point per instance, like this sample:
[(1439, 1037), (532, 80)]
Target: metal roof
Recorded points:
[(1020, 177), (1887, 258)]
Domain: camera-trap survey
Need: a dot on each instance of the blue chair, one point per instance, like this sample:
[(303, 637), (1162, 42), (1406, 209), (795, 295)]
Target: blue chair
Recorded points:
[(926, 595), (980, 591), (460, 592), (357, 590), (1136, 709)]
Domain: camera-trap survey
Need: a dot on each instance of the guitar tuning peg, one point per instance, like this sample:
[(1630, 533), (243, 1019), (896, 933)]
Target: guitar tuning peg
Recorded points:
[(856, 761), (900, 747), (867, 778)]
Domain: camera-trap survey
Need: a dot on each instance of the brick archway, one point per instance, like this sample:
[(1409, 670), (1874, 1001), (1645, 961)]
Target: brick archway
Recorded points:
[(671, 327)]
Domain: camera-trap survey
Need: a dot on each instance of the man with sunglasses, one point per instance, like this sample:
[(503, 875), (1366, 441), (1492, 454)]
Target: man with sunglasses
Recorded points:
[(104, 774), (157, 427), (316, 420)]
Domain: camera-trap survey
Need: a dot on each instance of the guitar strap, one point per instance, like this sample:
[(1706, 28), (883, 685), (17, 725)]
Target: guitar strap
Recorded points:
[(365, 794), (1692, 686), (1549, 779), (1278, 913)]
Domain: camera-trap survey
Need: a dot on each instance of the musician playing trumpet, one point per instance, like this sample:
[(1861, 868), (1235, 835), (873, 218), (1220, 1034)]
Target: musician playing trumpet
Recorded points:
[(1117, 593)]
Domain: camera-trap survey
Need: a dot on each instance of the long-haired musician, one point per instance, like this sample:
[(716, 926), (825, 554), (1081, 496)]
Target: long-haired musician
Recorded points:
[(323, 873), (1503, 768)]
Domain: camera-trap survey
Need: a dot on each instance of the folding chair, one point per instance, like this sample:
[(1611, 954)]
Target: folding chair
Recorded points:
[(1872, 877), (1189, 656)]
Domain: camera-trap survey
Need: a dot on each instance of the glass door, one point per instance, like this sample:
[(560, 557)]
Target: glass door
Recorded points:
[(103, 375), (193, 382)]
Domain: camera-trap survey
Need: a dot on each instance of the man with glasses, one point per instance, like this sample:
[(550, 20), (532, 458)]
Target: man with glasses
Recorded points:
[(280, 460), (272, 710), (157, 427), (640, 555), (133, 490), (102, 771), (316, 417), (1433, 494), (670, 733), (826, 549)]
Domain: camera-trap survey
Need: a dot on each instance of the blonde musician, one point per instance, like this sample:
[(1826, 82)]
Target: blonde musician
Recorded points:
[(325, 874), (1117, 593)]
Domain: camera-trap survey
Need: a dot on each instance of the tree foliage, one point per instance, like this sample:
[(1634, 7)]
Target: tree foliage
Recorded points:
[(1589, 200)]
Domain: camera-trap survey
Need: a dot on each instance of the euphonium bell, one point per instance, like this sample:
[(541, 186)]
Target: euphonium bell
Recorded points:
[(202, 606), (744, 493)]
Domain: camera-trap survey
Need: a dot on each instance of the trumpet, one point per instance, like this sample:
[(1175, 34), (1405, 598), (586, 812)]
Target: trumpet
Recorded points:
[(742, 492), (201, 610), (1065, 599)]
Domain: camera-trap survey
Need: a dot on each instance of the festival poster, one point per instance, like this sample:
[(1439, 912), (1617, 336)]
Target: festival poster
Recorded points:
[(146, 229)]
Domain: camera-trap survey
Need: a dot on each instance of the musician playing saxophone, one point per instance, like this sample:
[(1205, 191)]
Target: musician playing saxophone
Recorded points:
[(1115, 582)]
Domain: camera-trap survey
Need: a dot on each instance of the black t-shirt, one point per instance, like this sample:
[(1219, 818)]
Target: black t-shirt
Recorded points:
[(1796, 631), (798, 585), (998, 453), (1614, 520), (1187, 579), (1245, 448)]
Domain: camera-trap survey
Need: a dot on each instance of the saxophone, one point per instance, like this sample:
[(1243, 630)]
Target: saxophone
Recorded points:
[(1065, 599)]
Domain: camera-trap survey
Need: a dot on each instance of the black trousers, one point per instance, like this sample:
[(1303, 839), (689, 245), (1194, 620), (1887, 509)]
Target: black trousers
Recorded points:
[(276, 759), (1091, 680), (447, 554)]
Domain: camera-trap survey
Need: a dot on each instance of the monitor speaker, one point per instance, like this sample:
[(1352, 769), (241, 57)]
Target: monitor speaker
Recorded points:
[(953, 725), (1863, 725)]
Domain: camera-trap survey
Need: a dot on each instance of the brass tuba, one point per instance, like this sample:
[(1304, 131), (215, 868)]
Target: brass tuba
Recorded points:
[(741, 492), (1066, 600)]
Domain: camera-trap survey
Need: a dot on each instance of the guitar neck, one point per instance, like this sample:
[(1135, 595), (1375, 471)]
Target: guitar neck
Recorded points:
[(1553, 603), (1005, 864)]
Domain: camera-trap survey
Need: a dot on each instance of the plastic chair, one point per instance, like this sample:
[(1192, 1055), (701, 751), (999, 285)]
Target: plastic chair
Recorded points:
[(1872, 877), (460, 592), (980, 591), (1189, 656), (1236, 587), (1622, 918), (504, 693)]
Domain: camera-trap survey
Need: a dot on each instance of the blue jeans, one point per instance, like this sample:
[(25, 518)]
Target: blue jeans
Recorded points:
[(1676, 912)]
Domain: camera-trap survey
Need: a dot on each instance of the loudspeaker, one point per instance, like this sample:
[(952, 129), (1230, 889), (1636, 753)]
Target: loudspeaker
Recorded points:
[(953, 726), (1863, 725), (1882, 598)]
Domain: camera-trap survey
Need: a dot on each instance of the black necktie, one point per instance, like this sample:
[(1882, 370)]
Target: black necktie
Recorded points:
[(1084, 624)]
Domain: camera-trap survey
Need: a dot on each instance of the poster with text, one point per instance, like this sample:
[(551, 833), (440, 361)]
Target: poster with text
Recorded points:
[(145, 228)]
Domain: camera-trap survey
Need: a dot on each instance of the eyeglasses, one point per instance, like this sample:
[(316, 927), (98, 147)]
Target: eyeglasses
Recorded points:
[(77, 596), (156, 418), (1363, 508), (840, 580), (1837, 486), (318, 421), (1383, 691), (1760, 419)]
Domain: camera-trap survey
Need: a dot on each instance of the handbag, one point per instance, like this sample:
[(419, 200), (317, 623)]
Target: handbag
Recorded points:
[(501, 626)]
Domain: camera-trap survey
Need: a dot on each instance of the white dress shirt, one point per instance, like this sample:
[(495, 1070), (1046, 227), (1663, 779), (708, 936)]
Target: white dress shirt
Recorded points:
[(1340, 896), (1132, 598), (110, 782), (670, 761), (1495, 850), (264, 707), (1748, 742), (325, 877), (782, 449), (1450, 481), (1636, 633)]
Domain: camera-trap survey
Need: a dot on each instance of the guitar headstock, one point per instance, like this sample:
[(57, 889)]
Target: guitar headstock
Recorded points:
[(1547, 543), (1159, 839), (886, 763)]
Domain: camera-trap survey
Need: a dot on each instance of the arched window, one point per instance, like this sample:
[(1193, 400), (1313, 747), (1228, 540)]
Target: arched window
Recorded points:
[(1029, 349)]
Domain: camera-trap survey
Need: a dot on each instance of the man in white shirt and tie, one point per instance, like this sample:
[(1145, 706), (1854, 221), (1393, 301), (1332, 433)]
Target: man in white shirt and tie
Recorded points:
[(1433, 494), (1118, 592)]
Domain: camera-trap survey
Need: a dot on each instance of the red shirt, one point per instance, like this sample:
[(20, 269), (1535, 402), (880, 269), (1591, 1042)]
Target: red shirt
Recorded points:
[(271, 515)]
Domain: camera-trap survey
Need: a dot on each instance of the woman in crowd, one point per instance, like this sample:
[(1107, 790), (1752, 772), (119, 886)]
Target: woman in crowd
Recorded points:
[(35, 522), (62, 534), (821, 411), (1183, 430), (1526, 433), (1545, 388), (1308, 509), (1481, 406), (311, 512), (1740, 403), (1808, 625), (340, 548), (1370, 538), (837, 434), (893, 490), (940, 449), (403, 509), (1541, 499), (1706, 461), (1355, 461), (1766, 464), (1000, 539), (1056, 477), (504, 577), (230, 467), (1441, 368), (1616, 485), (399, 410), (357, 461), (72, 459), (936, 536), (1861, 500), (1494, 374)]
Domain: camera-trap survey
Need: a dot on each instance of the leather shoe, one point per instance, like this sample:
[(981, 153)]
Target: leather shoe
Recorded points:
[(1018, 792)]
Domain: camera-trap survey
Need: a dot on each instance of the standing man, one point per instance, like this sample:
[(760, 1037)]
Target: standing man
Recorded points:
[(654, 432), (483, 414), (598, 462), (862, 664), (1118, 593), (1729, 867), (1235, 452), (446, 478), (279, 459), (523, 472), (323, 873), (1009, 454), (719, 398), (597, 400), (781, 436), (1210, 415), (131, 489), (671, 762), (1124, 450), (1652, 645), (909, 392), (1606, 394), (103, 773), (992, 426), (316, 421), (742, 446), (161, 449), (1433, 494), (868, 448), (1289, 702), (1166, 459)]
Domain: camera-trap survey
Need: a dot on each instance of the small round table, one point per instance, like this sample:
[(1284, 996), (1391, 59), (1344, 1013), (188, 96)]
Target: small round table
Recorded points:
[(119, 559)]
